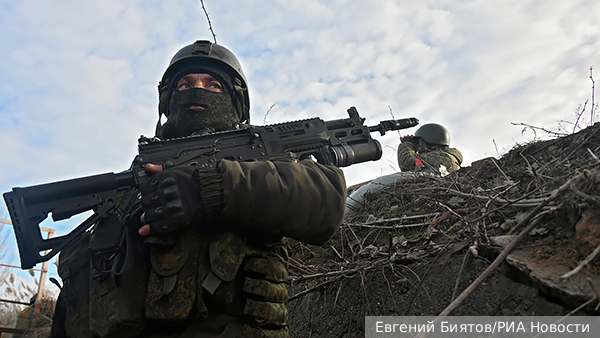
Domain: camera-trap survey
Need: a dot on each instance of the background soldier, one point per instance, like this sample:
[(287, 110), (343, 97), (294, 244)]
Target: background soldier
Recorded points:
[(202, 252), (428, 151)]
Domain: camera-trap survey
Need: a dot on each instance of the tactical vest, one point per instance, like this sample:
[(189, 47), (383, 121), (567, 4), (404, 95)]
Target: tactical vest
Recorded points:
[(187, 283)]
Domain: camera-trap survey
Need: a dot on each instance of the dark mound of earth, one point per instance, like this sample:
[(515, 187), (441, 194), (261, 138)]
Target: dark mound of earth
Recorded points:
[(418, 244)]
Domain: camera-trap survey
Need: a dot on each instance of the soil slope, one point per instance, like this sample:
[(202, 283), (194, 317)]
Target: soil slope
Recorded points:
[(416, 245)]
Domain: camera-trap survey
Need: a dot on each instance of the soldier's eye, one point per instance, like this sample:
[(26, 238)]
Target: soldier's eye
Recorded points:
[(214, 86), (183, 86)]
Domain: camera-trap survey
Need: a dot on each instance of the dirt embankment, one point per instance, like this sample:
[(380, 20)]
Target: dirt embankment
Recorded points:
[(418, 244)]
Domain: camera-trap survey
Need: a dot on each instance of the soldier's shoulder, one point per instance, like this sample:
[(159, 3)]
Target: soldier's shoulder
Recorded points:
[(456, 153)]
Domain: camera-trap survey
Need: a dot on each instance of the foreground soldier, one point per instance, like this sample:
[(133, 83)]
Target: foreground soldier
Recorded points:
[(429, 151), (204, 255)]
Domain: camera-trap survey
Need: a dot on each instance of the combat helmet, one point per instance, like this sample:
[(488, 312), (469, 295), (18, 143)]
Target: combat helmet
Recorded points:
[(205, 56), (434, 133)]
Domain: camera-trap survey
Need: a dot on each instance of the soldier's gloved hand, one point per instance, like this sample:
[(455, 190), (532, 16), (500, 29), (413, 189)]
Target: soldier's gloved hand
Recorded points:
[(408, 138), (170, 199)]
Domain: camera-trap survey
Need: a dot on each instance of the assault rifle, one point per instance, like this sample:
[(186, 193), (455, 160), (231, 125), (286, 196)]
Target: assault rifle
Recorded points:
[(340, 142)]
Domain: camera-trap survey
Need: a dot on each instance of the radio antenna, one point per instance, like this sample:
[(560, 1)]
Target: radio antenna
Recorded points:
[(208, 19)]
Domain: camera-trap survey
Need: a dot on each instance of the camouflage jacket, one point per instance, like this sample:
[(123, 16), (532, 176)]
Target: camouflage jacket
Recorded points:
[(226, 274), (430, 160)]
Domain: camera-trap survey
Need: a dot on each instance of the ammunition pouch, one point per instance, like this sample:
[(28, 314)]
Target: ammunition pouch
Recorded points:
[(118, 310), (73, 302), (173, 287), (259, 288)]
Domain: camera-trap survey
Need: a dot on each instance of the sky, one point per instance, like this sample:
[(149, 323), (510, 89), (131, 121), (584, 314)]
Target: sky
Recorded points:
[(78, 79)]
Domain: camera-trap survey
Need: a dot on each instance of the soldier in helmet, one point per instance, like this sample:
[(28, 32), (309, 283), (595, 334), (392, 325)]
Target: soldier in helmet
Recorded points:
[(202, 252), (429, 151)]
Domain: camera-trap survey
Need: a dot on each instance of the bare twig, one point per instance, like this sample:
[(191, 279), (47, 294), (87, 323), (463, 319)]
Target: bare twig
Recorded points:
[(316, 287), (399, 226), (372, 224), (355, 237), (487, 204), (453, 212), (539, 128), (593, 89), (393, 118), (462, 268), (496, 146), (208, 19), (365, 302), (503, 174), (267, 113), (336, 252), (581, 306), (337, 294), (403, 218), (593, 286), (533, 172), (391, 113), (587, 198), (585, 262), (524, 203), (369, 266), (579, 115), (389, 288), (593, 155)]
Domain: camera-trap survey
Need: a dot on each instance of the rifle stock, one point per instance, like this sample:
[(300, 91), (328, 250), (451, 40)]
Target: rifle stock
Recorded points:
[(340, 142)]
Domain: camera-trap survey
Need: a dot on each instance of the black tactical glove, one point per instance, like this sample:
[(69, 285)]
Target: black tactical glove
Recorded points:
[(171, 199)]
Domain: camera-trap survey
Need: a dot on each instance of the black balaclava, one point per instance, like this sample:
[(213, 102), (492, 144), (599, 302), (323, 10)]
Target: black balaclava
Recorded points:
[(219, 113)]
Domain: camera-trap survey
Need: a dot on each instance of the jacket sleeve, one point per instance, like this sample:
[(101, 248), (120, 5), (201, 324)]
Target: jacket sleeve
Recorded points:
[(301, 200), (407, 156)]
